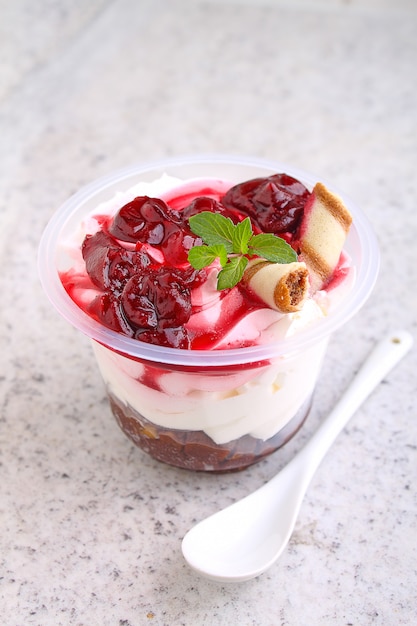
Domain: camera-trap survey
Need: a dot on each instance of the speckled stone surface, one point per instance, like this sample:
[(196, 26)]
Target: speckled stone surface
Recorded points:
[(91, 527)]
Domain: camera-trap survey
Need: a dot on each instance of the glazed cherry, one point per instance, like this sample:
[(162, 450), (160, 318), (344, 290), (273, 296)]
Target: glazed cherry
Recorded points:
[(109, 265), (95, 250), (123, 265), (191, 277), (145, 219), (177, 246), (156, 298), (203, 203), (107, 309), (169, 337), (275, 203)]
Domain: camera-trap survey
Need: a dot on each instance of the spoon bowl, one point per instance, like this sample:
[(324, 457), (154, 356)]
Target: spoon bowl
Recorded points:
[(245, 539)]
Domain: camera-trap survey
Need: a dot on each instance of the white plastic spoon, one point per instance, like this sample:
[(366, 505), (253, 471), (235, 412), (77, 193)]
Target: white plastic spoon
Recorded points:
[(245, 539)]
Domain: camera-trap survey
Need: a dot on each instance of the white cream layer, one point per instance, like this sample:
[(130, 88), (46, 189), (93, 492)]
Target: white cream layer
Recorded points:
[(257, 402)]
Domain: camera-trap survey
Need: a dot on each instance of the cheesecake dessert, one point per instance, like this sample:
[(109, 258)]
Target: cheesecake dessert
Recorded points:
[(210, 266)]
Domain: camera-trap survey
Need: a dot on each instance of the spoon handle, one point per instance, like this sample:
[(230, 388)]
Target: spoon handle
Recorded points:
[(385, 355)]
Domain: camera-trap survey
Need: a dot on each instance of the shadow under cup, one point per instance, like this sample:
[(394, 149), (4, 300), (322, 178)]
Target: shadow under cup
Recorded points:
[(218, 410)]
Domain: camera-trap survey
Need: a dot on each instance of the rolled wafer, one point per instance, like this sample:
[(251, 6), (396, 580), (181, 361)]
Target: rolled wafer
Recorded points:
[(325, 225), (282, 286)]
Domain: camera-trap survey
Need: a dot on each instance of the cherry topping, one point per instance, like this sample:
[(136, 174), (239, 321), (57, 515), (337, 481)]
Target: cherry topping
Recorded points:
[(156, 298), (203, 203), (169, 337), (144, 219), (192, 277), (124, 264), (275, 203), (139, 258), (108, 265), (177, 246), (107, 308)]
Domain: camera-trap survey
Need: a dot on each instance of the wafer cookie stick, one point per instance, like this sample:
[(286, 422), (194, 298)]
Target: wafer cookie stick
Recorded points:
[(282, 286), (323, 232)]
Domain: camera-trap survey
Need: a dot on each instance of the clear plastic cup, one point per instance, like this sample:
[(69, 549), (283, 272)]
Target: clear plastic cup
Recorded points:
[(207, 410)]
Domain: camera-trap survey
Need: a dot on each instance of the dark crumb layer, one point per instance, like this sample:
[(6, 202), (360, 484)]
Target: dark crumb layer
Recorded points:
[(195, 450)]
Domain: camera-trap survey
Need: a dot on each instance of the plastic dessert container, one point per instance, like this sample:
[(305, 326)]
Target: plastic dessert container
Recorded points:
[(205, 410)]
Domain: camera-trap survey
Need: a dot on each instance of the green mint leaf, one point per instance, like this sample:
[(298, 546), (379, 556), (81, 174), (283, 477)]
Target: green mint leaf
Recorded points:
[(242, 233), (271, 248), (202, 256), (213, 228), (229, 243), (232, 272)]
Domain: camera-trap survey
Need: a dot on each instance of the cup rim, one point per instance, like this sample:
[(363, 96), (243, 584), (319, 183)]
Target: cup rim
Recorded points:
[(366, 274)]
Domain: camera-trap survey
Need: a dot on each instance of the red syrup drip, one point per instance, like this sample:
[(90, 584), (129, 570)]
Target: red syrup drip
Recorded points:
[(342, 270)]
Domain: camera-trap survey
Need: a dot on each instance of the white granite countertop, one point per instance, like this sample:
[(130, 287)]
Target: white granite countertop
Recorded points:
[(90, 526)]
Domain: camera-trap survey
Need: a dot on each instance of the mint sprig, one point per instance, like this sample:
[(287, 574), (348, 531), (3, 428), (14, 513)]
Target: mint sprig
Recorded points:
[(233, 244), (201, 256)]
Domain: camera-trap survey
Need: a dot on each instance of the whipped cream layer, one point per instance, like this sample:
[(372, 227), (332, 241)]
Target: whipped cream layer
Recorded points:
[(256, 401), (252, 401)]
